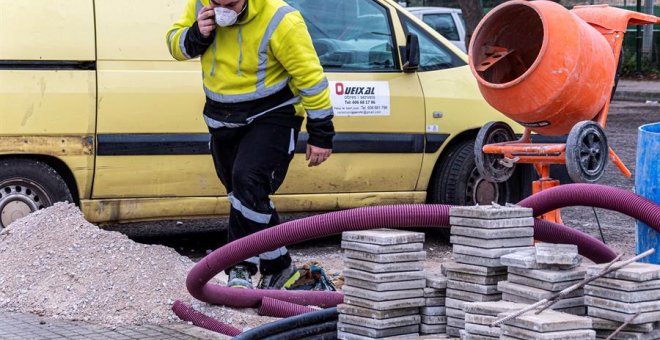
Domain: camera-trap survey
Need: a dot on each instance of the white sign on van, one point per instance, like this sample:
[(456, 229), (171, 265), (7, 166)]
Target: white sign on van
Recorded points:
[(360, 98)]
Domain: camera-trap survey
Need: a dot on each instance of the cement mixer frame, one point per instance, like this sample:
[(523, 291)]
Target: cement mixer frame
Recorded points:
[(586, 151)]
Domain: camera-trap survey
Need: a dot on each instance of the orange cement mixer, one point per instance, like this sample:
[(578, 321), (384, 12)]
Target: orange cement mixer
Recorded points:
[(551, 70)]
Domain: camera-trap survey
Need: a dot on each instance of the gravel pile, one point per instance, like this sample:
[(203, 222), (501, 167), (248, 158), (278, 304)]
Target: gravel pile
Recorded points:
[(55, 263)]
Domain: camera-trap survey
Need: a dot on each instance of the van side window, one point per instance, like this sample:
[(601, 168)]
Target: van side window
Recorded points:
[(349, 35), (442, 23), (432, 54)]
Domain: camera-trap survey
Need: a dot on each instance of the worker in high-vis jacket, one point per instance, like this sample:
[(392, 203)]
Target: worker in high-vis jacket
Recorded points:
[(261, 75)]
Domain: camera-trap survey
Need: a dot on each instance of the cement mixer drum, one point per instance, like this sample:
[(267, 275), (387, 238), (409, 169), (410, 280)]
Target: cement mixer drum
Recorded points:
[(542, 65)]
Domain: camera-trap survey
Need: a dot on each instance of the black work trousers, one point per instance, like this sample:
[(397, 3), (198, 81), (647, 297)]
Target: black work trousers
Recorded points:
[(251, 162)]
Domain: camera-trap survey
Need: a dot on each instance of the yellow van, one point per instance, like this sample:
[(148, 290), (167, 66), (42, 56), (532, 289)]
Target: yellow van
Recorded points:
[(94, 110)]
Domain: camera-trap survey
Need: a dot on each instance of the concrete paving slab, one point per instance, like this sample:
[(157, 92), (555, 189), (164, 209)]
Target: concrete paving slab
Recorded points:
[(455, 313), (384, 277), (521, 333), (376, 333), (482, 329), (433, 311), (521, 259), (350, 336), (436, 280), (472, 297), (562, 304), (490, 212), (432, 329), (478, 279), (375, 314), (453, 331), (548, 321), (380, 323), (452, 266), (375, 267), (551, 275), (479, 319), (383, 236), (455, 322), (598, 323), (618, 295), (384, 305), (531, 292), (465, 335), (492, 243), (434, 302), (622, 317), (434, 292), (434, 320), (549, 286), (492, 308), (385, 286), (637, 272), (554, 253), (484, 232), (385, 258), (630, 308), (382, 249), (580, 310), (628, 286), (477, 261), (627, 335), (455, 303), (382, 296), (472, 287), (489, 253), (491, 224)]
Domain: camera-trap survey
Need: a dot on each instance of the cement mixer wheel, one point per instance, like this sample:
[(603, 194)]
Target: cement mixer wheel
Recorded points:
[(586, 152), (489, 165)]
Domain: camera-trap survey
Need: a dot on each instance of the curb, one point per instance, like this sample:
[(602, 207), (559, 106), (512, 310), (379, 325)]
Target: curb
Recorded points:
[(636, 96)]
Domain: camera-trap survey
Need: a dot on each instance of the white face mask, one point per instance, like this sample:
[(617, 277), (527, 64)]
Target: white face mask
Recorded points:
[(226, 17)]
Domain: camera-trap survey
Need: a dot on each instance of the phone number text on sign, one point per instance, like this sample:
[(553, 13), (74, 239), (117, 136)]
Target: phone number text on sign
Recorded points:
[(360, 98)]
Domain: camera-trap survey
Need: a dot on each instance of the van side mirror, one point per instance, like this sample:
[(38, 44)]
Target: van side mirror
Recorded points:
[(411, 53)]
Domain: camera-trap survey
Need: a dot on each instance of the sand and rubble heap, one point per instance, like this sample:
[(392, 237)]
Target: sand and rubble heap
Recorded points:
[(55, 263)]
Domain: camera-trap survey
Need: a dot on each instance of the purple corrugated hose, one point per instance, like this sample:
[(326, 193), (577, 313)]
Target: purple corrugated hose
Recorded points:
[(187, 313), (394, 216), (281, 309), (595, 195)]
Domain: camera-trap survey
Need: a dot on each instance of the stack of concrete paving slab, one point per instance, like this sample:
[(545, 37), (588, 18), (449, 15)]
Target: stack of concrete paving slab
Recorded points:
[(541, 272), (384, 284), (434, 319), (617, 297), (480, 315), (549, 325), (480, 235)]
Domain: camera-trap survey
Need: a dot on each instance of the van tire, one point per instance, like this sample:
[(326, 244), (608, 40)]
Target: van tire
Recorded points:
[(27, 185), (456, 181)]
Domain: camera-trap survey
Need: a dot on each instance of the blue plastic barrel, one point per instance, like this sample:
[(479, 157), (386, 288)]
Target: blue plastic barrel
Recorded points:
[(647, 184)]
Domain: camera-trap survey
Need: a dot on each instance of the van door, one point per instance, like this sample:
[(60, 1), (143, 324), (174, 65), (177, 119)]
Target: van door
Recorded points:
[(48, 83), (379, 110), (152, 141)]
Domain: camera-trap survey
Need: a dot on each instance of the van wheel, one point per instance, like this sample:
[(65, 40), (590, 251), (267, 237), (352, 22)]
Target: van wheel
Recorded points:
[(457, 181), (27, 186)]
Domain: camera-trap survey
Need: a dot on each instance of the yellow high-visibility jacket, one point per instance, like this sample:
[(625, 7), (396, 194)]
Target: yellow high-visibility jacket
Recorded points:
[(267, 51)]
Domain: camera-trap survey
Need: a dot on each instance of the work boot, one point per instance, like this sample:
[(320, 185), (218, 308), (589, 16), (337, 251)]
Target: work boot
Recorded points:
[(276, 281), (240, 277)]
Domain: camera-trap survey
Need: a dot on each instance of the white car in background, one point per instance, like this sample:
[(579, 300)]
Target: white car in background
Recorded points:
[(446, 21)]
